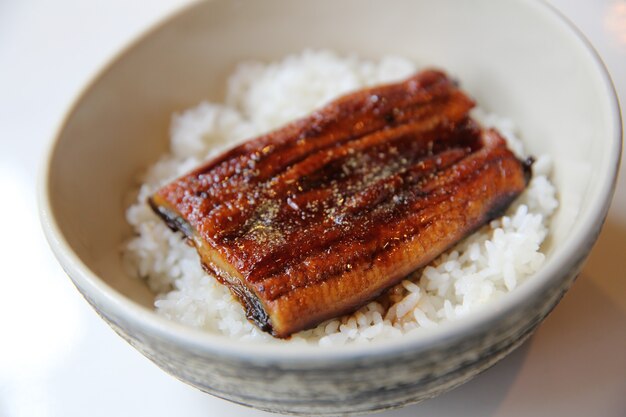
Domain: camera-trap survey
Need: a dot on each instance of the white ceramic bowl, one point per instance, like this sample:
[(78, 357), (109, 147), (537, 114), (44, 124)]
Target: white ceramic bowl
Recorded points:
[(517, 58)]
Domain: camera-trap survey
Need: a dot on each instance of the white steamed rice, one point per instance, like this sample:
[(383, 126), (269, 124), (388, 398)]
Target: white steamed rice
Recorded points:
[(485, 266)]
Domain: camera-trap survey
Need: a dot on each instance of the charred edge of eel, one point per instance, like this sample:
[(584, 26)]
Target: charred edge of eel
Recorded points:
[(252, 306)]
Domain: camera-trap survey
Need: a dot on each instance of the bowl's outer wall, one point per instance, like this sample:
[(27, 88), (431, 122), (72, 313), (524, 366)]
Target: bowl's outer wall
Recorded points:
[(349, 387), (515, 57)]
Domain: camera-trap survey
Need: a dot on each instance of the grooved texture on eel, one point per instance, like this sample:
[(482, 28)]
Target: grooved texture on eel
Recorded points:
[(315, 219)]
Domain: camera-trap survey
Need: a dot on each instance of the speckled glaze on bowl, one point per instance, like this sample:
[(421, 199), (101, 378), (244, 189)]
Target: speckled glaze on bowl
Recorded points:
[(518, 58)]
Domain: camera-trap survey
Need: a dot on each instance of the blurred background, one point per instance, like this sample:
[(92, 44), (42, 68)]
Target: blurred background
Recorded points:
[(57, 358)]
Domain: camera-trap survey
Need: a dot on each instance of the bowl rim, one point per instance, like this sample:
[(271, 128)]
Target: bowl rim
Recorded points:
[(139, 317)]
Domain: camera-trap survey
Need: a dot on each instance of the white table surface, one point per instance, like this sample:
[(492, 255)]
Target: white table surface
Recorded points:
[(58, 358)]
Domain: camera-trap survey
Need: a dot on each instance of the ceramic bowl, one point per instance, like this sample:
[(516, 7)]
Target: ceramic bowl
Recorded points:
[(518, 58)]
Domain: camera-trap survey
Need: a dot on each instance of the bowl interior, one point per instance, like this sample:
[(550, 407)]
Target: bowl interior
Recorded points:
[(517, 58)]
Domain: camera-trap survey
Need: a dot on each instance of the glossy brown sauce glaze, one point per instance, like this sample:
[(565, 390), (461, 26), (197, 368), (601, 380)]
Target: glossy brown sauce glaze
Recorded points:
[(317, 218)]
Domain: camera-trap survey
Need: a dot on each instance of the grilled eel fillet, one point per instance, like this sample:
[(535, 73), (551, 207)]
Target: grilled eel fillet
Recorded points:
[(315, 219)]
